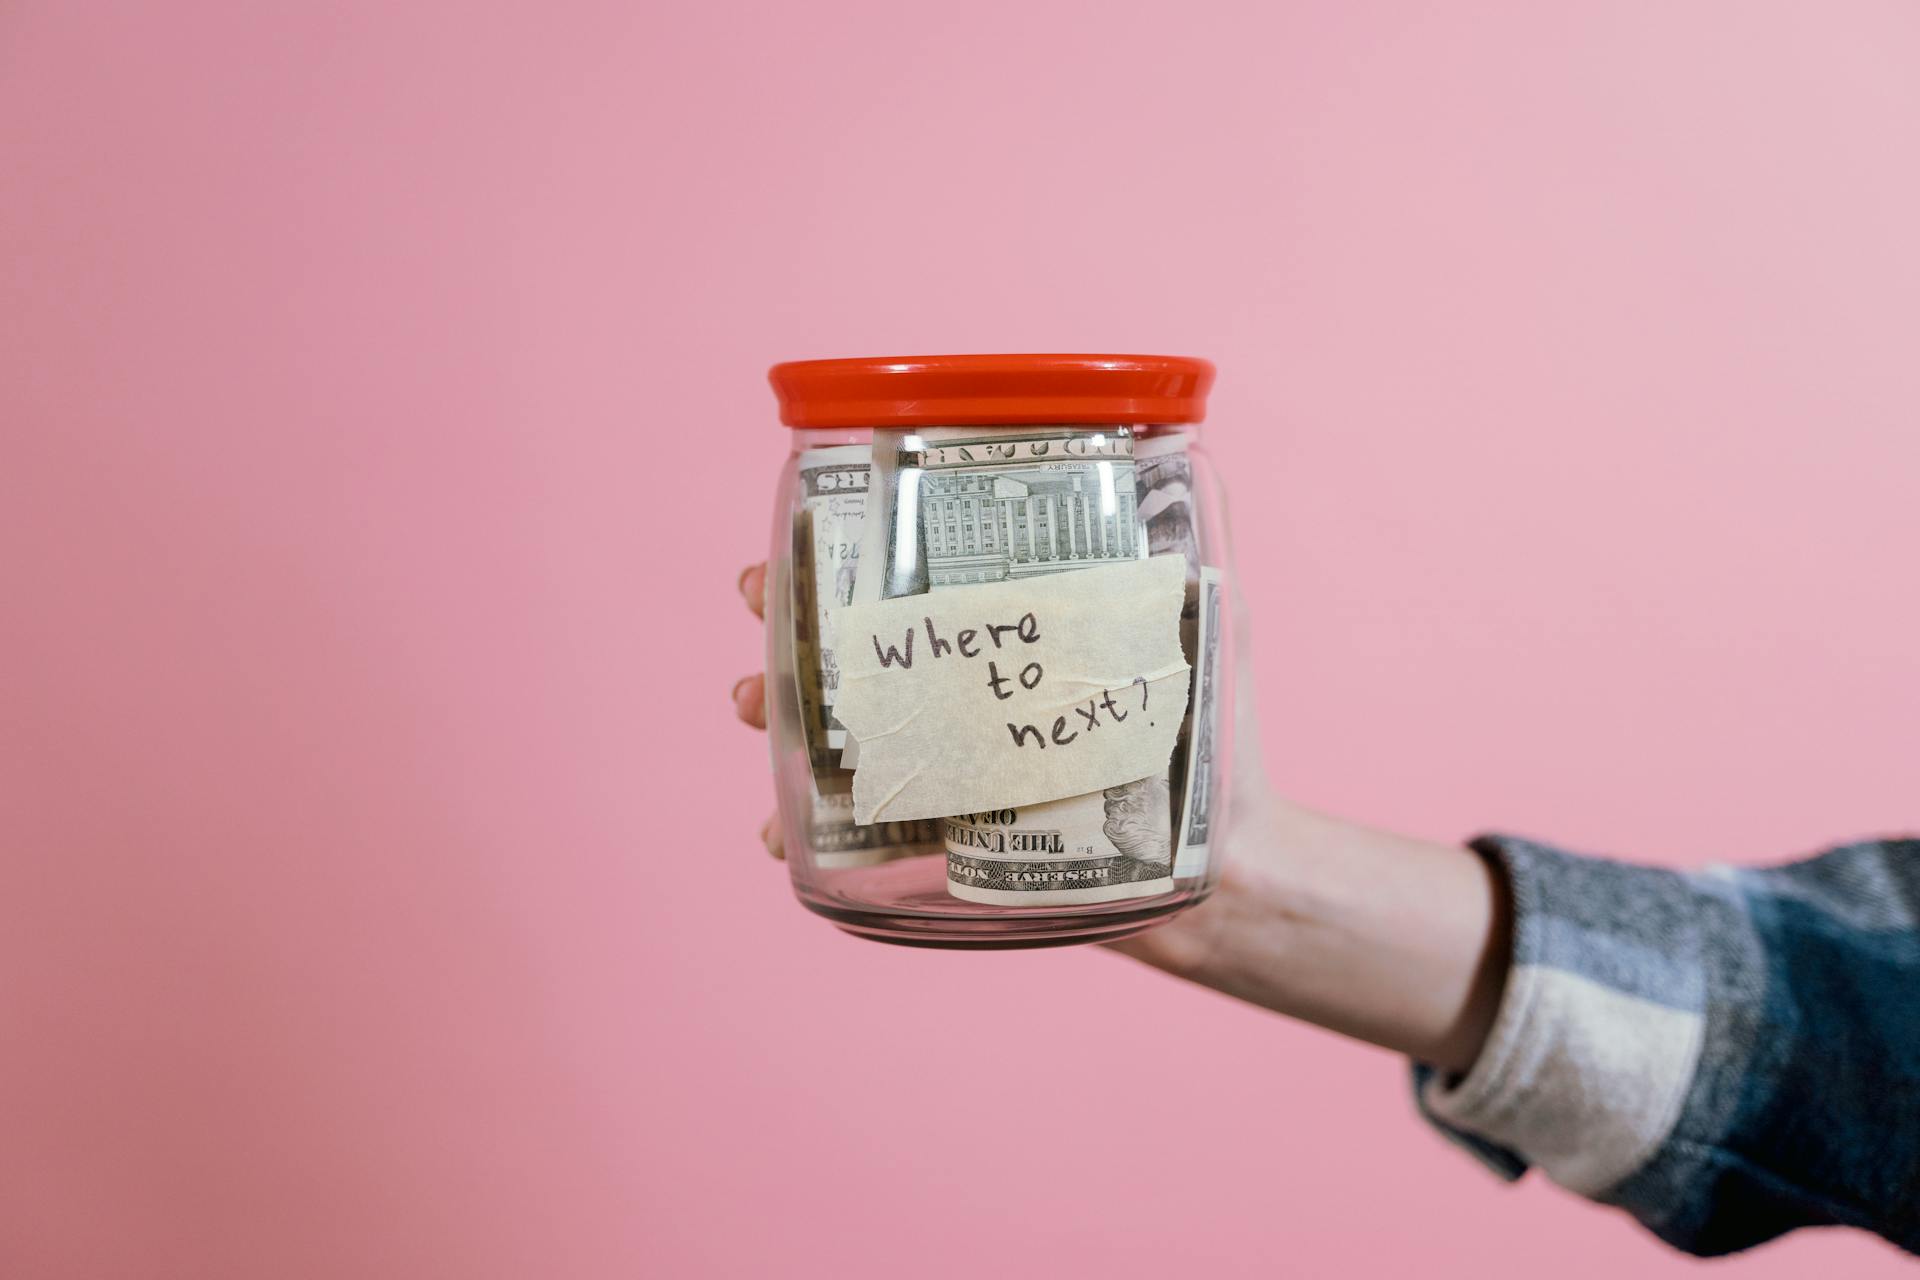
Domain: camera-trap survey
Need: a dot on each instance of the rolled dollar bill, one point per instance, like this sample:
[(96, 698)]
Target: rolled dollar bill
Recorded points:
[(1163, 480), (1100, 847), (1164, 473), (826, 551), (1196, 759), (838, 841), (828, 526)]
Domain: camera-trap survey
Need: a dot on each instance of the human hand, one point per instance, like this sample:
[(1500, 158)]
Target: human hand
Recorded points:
[(1392, 940), (750, 692)]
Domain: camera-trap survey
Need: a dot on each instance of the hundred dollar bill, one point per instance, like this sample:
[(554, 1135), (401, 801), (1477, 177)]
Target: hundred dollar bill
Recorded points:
[(875, 538), (1102, 847), (838, 841), (827, 531), (965, 506), (1163, 475), (989, 506), (826, 555), (1198, 821)]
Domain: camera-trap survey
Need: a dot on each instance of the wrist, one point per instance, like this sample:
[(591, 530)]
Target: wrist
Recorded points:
[(1396, 941)]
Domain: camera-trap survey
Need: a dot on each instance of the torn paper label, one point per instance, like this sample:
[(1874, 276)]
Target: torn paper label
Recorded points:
[(981, 697)]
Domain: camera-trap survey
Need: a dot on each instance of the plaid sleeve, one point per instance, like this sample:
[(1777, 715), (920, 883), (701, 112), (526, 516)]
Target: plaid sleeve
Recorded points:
[(1726, 1055)]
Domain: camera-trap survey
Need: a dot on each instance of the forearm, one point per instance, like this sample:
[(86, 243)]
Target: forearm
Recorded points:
[(1726, 1055), (1396, 941)]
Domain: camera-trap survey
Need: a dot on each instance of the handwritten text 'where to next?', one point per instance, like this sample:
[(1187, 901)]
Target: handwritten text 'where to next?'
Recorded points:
[(1013, 693)]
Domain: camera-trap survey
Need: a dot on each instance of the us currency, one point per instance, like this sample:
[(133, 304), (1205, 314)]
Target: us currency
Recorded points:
[(972, 506), (826, 550), (876, 536), (1164, 476), (1102, 847), (838, 841), (828, 521), (1197, 824)]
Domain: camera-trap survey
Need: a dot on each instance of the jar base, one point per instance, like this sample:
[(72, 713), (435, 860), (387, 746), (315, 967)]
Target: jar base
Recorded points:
[(1008, 932)]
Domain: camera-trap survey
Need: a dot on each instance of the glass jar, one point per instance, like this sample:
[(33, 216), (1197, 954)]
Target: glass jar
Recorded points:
[(971, 469)]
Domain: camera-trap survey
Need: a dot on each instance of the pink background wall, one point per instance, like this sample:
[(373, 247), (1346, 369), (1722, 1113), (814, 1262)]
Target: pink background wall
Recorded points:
[(383, 426)]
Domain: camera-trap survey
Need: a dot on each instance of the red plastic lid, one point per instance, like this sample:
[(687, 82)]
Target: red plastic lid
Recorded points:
[(991, 390)]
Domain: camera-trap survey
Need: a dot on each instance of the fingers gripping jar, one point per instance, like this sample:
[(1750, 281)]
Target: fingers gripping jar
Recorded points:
[(977, 480)]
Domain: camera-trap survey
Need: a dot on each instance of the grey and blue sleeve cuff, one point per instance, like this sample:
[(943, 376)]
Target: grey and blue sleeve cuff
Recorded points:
[(1599, 1031), (1727, 1054)]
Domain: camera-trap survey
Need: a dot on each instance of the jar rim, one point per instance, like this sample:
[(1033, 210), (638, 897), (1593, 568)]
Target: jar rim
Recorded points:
[(992, 390)]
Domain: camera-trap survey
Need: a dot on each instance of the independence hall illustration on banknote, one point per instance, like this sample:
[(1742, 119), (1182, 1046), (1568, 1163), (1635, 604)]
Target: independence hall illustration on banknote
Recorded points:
[(991, 526)]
